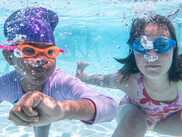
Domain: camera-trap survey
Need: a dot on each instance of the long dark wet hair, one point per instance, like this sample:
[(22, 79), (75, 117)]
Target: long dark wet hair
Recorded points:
[(137, 29)]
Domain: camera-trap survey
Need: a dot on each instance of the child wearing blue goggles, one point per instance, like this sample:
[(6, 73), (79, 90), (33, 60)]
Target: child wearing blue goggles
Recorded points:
[(143, 45)]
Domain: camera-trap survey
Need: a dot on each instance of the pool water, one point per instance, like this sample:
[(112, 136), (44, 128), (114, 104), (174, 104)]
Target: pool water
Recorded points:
[(91, 31)]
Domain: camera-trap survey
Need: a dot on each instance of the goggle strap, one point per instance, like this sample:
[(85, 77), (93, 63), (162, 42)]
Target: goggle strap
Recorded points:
[(61, 50), (8, 47)]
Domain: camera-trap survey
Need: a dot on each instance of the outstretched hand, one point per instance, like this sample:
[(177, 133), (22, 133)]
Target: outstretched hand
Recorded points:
[(80, 68), (35, 109)]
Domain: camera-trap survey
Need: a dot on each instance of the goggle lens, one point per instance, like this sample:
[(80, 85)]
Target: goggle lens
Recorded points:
[(53, 52), (137, 46), (159, 45), (163, 45), (30, 51)]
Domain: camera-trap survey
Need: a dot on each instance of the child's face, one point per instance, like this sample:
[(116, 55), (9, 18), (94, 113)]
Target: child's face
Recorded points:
[(36, 69), (162, 64)]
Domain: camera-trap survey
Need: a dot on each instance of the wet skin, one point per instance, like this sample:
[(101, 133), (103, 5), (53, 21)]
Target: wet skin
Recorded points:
[(160, 67), (33, 78)]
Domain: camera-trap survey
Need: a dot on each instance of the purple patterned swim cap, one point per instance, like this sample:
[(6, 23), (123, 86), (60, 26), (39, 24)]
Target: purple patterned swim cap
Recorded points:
[(36, 23)]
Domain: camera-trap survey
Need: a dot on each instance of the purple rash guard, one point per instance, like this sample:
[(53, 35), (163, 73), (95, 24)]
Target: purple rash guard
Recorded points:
[(62, 86)]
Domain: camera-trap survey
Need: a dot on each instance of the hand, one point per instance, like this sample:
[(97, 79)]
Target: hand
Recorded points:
[(80, 68), (36, 109)]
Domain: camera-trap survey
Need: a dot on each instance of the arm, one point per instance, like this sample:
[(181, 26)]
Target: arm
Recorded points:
[(37, 109), (81, 103), (109, 81), (106, 107)]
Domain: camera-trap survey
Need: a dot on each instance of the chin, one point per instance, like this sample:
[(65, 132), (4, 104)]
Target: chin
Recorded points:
[(153, 75), (38, 81)]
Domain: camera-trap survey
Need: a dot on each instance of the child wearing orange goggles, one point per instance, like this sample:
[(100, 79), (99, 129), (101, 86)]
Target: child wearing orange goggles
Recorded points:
[(42, 93)]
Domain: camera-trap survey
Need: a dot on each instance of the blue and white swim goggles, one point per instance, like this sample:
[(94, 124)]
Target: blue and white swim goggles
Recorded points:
[(143, 45)]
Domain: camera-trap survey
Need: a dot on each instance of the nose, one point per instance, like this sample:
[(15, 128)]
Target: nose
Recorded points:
[(151, 52), (37, 62), (41, 58), (151, 56), (41, 61)]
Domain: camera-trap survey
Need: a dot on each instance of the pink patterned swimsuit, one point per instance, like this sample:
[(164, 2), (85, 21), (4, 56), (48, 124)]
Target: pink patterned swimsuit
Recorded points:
[(156, 111)]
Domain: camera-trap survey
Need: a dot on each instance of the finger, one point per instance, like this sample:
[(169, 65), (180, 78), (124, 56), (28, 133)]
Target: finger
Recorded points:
[(21, 117), (22, 99), (17, 106), (17, 121), (31, 103), (18, 113)]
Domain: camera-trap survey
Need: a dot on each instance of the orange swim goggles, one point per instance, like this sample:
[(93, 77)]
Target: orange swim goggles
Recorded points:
[(31, 51)]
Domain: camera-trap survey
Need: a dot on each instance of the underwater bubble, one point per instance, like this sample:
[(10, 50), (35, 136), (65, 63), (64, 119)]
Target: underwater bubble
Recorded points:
[(18, 38), (18, 53), (21, 24), (35, 62), (146, 43), (31, 60), (32, 71), (24, 73), (150, 58), (10, 29), (145, 10)]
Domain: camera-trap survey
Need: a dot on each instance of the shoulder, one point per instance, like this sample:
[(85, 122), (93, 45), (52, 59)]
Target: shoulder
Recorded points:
[(57, 74), (9, 86), (129, 86), (60, 76), (9, 77), (58, 71), (118, 75)]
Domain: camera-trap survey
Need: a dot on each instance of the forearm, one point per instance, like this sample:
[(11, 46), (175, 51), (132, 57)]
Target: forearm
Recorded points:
[(98, 80), (38, 109), (83, 109)]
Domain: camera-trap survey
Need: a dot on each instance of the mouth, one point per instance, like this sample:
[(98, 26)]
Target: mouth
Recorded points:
[(41, 69), (153, 66), (40, 73)]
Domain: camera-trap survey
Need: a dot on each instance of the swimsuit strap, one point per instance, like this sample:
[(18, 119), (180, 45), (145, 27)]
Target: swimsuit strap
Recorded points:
[(140, 88)]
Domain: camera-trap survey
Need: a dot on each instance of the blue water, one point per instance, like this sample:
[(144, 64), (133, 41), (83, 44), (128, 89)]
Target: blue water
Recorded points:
[(92, 31)]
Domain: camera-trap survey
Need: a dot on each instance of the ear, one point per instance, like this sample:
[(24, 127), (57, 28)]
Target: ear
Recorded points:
[(8, 55)]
